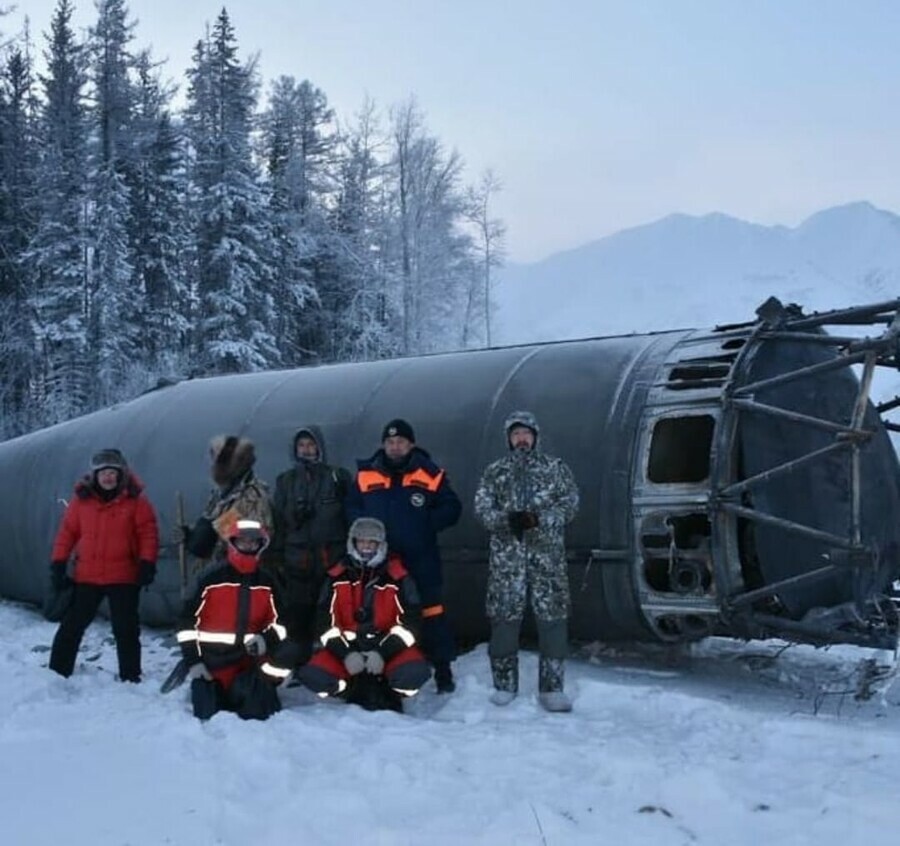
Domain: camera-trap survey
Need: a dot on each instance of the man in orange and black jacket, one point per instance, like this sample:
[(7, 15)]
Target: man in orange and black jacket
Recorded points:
[(404, 488)]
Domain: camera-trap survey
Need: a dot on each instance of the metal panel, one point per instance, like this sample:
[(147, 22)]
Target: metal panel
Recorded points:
[(649, 559)]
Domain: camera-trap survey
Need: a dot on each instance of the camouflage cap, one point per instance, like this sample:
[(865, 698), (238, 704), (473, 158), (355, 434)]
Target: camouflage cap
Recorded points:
[(522, 418)]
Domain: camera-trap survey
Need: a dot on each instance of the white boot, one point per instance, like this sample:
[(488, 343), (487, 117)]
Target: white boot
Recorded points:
[(555, 701), (502, 697)]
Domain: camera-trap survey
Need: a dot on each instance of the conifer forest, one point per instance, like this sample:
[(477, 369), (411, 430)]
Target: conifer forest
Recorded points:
[(156, 228)]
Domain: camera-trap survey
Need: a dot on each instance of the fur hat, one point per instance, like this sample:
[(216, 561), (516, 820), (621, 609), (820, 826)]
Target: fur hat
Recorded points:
[(108, 459), (231, 458), (367, 528), (398, 428)]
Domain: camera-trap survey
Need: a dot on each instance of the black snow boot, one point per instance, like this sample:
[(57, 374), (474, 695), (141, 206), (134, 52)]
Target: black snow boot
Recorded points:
[(443, 677)]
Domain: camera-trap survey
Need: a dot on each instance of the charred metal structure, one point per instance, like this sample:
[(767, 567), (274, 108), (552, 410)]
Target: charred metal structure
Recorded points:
[(734, 481)]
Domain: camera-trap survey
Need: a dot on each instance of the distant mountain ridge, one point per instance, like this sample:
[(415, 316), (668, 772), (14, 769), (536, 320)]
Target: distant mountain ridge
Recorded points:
[(686, 271)]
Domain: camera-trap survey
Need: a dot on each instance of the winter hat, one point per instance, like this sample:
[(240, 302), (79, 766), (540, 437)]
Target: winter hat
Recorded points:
[(367, 528), (398, 428), (522, 418), (108, 459), (231, 457)]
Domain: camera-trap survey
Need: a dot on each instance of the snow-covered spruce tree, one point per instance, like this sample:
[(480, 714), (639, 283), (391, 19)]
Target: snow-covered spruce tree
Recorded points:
[(366, 323), (434, 253), (55, 262), (298, 144), (233, 228), (159, 236), (17, 354), (18, 160), (115, 304)]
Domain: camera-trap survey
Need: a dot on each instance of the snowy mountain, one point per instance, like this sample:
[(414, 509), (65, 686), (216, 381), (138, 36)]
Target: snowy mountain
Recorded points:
[(684, 271)]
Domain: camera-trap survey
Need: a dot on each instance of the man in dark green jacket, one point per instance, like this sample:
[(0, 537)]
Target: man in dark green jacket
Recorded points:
[(310, 530)]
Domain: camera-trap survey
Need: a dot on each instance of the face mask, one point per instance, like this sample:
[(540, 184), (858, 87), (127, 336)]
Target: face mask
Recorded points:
[(243, 562)]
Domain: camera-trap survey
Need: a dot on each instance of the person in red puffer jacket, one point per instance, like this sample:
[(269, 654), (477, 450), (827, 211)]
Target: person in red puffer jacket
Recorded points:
[(110, 526)]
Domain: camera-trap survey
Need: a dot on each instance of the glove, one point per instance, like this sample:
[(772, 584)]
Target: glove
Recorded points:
[(256, 646), (180, 534), (199, 671), (519, 521), (354, 663), (58, 576), (146, 573), (304, 513), (374, 662)]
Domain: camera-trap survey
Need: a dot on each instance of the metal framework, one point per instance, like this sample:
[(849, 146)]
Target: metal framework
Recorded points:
[(879, 627)]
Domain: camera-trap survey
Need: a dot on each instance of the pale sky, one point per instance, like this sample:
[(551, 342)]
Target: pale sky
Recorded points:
[(597, 115)]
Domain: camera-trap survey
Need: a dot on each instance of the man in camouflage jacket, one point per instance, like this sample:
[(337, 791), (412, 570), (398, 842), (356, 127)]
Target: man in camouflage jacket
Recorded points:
[(525, 500)]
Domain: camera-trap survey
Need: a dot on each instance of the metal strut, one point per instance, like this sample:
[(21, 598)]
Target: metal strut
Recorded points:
[(786, 323)]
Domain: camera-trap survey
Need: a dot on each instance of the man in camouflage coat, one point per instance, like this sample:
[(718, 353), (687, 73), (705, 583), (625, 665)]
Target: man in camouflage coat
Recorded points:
[(525, 500)]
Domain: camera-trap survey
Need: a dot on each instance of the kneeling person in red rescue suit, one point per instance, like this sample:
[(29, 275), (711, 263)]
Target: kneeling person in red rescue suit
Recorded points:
[(231, 629), (368, 618), (111, 527)]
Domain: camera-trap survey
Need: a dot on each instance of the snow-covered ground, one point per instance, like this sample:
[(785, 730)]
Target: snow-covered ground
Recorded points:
[(723, 743)]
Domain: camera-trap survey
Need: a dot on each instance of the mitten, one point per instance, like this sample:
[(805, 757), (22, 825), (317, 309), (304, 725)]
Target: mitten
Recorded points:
[(58, 576), (256, 645), (516, 520), (374, 662), (529, 520), (146, 573), (354, 663)]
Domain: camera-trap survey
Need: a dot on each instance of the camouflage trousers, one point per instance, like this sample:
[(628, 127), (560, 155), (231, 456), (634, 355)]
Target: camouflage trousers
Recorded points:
[(504, 648)]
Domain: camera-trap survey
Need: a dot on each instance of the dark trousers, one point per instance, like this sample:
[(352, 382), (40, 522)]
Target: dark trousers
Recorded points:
[(250, 696), (297, 608), (123, 611), (438, 642), (326, 674)]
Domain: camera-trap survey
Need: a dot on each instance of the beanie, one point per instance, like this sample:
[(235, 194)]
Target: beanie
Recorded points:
[(398, 428)]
